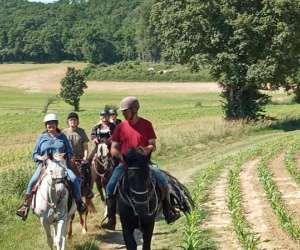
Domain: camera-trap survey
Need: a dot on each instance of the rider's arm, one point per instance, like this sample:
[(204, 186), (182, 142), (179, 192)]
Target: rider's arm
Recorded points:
[(85, 150), (36, 155), (94, 135), (151, 147), (115, 149), (68, 149)]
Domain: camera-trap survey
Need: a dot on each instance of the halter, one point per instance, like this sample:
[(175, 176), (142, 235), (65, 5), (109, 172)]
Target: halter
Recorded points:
[(97, 159), (54, 181), (131, 201)]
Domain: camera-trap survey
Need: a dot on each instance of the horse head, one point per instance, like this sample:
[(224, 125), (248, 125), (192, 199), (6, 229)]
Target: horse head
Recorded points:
[(57, 166), (102, 158), (138, 183)]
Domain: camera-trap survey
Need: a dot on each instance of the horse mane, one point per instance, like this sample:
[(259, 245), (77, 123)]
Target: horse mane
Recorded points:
[(136, 163), (134, 157)]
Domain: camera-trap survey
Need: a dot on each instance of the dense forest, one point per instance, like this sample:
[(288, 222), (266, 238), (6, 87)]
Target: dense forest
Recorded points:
[(96, 31)]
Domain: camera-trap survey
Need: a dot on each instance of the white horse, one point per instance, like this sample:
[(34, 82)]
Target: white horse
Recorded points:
[(51, 202)]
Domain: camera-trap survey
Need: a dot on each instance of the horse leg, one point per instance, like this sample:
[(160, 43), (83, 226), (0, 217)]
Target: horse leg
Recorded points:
[(47, 229), (70, 231), (84, 231), (100, 188), (60, 238), (147, 234), (128, 234)]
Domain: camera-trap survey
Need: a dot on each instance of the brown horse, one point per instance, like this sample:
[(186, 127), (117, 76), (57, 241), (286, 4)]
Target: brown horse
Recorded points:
[(102, 167), (83, 170)]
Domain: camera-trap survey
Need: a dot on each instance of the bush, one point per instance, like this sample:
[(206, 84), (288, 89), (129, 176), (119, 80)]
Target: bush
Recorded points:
[(142, 71)]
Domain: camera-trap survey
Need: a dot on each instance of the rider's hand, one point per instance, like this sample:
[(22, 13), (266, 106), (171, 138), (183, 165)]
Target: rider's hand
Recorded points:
[(42, 157), (96, 141), (84, 161), (147, 150)]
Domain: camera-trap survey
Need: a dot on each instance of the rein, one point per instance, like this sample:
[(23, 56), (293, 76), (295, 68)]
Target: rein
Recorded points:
[(131, 201)]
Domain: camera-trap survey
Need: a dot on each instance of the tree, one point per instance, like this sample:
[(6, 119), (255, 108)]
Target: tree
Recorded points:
[(248, 44), (72, 87)]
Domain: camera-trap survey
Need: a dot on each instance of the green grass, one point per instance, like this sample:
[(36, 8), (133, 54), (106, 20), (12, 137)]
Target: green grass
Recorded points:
[(189, 136)]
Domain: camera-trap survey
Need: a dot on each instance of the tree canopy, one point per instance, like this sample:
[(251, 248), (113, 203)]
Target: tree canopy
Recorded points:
[(249, 44), (72, 87), (95, 31)]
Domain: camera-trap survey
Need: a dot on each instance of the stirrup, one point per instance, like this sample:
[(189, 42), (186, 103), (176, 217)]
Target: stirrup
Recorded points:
[(23, 211)]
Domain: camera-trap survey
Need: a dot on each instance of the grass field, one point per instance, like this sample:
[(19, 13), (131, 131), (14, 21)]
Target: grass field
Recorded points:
[(192, 137)]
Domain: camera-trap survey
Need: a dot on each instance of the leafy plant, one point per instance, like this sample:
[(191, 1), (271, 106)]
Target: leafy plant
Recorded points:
[(72, 87)]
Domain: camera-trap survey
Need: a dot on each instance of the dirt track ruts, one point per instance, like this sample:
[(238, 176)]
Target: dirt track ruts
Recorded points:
[(259, 213), (286, 185), (219, 221)]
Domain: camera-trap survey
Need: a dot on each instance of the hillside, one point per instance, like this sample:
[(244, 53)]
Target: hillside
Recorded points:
[(94, 31)]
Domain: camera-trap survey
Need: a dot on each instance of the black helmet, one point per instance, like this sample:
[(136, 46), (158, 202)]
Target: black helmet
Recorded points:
[(112, 112), (73, 115), (103, 112)]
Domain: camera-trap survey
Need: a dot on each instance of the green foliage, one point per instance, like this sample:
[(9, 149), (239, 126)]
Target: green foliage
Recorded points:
[(143, 71), (248, 44), (72, 87), (50, 100), (94, 31), (246, 236), (288, 223)]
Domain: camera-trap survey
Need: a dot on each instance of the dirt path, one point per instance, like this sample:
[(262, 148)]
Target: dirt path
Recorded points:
[(219, 221), (259, 212), (186, 170), (286, 185), (46, 77)]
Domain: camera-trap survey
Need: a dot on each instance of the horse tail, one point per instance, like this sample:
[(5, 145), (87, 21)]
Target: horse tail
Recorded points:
[(181, 194)]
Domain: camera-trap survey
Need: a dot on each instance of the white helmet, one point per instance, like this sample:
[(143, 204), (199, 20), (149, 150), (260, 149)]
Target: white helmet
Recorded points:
[(50, 117)]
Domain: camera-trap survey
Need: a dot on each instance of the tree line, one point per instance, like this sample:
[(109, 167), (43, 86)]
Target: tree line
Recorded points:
[(103, 31)]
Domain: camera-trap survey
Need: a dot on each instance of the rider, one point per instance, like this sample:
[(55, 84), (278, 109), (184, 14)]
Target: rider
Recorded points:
[(113, 116), (134, 131), (101, 132), (79, 142), (49, 142)]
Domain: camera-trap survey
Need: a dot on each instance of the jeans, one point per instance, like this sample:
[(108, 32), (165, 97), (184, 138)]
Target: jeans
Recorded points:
[(75, 183), (159, 176)]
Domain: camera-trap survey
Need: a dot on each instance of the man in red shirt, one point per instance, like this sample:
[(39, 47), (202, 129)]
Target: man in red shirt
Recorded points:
[(134, 132)]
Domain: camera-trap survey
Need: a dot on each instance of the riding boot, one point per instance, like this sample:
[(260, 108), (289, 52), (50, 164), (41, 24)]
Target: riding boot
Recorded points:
[(111, 213), (24, 209), (170, 214)]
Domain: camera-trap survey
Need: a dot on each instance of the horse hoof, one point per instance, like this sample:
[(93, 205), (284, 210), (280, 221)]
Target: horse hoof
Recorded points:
[(70, 236), (84, 231)]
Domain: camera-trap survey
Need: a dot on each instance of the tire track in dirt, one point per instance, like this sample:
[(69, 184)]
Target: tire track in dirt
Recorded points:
[(259, 213), (219, 221), (286, 185)]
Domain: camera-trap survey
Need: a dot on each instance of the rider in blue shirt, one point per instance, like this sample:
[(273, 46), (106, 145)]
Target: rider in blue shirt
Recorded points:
[(50, 142)]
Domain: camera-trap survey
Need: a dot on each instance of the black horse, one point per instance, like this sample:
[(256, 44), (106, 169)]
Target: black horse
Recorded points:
[(138, 199)]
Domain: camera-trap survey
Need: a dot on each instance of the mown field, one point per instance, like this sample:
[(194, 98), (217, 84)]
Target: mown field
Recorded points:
[(195, 144)]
